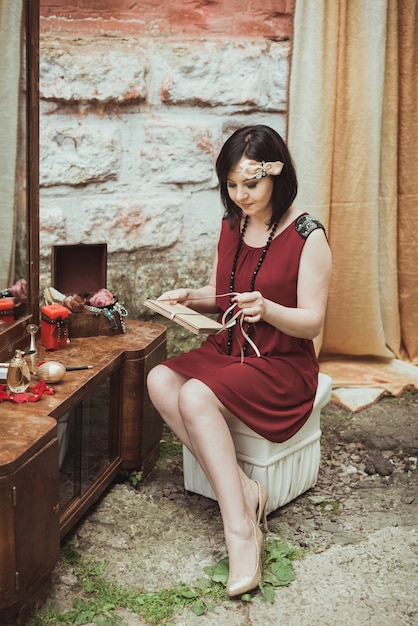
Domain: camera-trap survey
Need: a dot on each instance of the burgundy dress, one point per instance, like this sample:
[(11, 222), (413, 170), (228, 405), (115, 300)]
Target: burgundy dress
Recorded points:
[(274, 393)]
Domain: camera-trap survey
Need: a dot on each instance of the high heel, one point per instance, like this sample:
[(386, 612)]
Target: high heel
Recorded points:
[(242, 585), (262, 503)]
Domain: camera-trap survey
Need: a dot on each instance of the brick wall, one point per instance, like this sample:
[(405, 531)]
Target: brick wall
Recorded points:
[(173, 18), (136, 101)]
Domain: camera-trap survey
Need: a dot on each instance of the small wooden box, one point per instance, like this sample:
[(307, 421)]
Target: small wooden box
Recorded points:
[(82, 269)]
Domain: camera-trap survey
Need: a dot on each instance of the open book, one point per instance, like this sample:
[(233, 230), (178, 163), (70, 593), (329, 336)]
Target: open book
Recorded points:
[(197, 323)]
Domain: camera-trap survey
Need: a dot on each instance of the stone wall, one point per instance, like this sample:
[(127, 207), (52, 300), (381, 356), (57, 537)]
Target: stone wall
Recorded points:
[(136, 102)]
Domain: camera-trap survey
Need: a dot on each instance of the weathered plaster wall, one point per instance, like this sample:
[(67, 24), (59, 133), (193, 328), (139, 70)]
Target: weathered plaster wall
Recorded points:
[(136, 101), (171, 18)]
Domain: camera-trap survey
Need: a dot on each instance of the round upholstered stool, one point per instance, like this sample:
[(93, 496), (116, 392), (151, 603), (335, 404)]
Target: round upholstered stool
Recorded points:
[(286, 469)]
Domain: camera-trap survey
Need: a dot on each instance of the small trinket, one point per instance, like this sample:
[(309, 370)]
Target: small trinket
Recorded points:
[(51, 371), (54, 326), (32, 329), (18, 374)]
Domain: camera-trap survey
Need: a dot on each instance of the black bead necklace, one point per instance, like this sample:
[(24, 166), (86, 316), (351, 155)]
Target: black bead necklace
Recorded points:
[(253, 277)]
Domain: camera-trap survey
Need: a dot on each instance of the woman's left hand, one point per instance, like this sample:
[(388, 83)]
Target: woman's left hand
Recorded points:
[(252, 305)]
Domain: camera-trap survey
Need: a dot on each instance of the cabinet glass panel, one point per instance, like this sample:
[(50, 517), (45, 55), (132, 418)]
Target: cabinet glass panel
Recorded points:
[(88, 436)]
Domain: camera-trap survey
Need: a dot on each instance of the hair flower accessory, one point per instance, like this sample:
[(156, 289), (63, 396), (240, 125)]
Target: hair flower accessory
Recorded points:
[(259, 169)]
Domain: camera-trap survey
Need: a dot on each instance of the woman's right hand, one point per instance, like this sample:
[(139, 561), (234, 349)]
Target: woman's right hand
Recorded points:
[(176, 295)]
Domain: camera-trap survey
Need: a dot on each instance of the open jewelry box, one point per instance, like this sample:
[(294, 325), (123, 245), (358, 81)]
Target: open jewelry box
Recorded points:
[(82, 268)]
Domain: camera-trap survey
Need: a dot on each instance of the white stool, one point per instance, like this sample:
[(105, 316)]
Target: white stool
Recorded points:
[(286, 469)]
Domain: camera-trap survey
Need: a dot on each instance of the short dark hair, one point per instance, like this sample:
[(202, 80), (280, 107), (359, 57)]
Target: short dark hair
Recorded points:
[(258, 143)]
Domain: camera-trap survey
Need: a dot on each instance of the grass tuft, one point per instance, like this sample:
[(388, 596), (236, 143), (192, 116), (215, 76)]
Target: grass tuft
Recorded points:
[(99, 599)]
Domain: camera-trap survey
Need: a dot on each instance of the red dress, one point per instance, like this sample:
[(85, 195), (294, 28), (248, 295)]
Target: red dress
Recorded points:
[(274, 393)]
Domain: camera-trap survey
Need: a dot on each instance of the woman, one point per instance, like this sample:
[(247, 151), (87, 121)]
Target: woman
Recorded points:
[(273, 268)]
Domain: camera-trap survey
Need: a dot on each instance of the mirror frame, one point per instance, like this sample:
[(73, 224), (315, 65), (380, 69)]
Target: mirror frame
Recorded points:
[(16, 336)]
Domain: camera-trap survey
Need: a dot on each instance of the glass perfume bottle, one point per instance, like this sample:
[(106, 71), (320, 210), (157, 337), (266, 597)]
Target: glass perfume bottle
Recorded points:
[(18, 374)]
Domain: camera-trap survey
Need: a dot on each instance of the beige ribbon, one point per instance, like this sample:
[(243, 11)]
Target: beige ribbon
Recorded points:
[(239, 315), (259, 169)]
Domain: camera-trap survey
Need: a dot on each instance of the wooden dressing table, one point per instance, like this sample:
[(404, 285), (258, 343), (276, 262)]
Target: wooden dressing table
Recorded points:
[(105, 421), (59, 454)]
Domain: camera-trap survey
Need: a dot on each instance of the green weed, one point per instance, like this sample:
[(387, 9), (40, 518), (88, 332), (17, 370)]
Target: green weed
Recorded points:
[(133, 477), (171, 449), (98, 598)]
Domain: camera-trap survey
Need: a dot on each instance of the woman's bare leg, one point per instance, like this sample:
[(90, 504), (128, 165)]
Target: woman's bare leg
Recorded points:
[(164, 386), (196, 416), (212, 444)]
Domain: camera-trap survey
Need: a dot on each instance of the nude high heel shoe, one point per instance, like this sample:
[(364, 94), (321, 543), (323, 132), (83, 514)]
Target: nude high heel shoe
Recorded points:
[(262, 503), (242, 585)]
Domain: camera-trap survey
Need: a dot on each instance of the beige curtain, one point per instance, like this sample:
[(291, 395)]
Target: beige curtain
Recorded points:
[(10, 64), (352, 130)]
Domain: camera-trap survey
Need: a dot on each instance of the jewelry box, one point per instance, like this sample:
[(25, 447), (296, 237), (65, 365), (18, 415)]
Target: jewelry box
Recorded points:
[(82, 269)]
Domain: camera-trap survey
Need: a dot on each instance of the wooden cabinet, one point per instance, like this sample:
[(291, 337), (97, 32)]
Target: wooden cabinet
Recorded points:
[(59, 454), (90, 452), (29, 505)]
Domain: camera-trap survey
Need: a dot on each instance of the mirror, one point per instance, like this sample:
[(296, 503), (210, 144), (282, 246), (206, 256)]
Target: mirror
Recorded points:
[(19, 168)]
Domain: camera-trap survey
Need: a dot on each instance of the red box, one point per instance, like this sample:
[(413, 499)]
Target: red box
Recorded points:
[(7, 310), (54, 326)]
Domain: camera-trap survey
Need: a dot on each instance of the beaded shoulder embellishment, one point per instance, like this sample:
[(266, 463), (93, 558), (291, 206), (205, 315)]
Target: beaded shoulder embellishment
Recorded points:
[(305, 224)]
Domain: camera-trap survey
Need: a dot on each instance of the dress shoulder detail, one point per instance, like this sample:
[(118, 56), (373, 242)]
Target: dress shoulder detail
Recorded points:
[(306, 223)]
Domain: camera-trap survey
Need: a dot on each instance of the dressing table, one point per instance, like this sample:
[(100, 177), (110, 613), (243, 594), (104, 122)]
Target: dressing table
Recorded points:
[(60, 453)]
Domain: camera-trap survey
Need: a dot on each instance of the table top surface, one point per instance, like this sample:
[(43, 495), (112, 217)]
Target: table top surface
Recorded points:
[(26, 427)]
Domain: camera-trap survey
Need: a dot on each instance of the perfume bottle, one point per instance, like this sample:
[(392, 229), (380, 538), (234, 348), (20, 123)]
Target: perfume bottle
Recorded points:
[(18, 374)]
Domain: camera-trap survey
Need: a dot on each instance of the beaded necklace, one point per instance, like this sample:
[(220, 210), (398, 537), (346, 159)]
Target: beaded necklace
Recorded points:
[(253, 277)]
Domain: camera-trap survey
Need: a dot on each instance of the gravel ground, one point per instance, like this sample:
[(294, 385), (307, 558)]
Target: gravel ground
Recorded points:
[(358, 528)]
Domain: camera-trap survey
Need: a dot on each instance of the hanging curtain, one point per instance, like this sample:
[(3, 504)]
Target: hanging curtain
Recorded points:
[(352, 130), (10, 65), (407, 176)]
